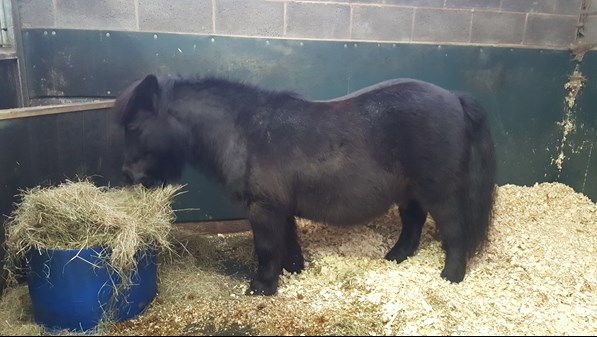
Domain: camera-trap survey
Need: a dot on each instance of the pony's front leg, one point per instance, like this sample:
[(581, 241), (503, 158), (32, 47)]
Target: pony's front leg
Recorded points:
[(268, 236)]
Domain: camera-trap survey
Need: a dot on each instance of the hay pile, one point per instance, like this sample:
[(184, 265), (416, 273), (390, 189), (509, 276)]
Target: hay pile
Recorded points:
[(79, 215), (536, 276)]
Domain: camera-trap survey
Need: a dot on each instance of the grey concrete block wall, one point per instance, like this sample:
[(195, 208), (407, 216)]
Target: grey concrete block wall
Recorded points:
[(481, 4), (591, 30), (440, 25), (249, 17), (382, 23), (544, 30), (496, 28), (97, 14), (318, 20), (531, 6), (590, 25), (37, 13), (192, 16), (522, 23)]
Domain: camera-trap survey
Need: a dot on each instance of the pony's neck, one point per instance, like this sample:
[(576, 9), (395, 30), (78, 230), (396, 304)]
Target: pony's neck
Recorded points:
[(210, 114)]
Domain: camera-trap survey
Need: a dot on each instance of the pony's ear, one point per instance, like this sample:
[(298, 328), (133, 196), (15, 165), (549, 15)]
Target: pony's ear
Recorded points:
[(147, 92), (141, 94)]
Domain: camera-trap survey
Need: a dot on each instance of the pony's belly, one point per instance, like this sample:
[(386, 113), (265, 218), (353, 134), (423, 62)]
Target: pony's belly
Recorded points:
[(344, 208), (335, 214)]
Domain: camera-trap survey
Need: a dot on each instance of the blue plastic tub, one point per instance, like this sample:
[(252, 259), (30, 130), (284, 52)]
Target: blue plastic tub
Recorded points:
[(72, 289)]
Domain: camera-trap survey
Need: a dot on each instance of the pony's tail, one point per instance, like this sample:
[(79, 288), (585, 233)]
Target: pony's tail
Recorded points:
[(480, 184)]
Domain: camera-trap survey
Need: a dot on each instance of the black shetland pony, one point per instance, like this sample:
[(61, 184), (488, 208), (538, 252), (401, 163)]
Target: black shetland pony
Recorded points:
[(343, 161)]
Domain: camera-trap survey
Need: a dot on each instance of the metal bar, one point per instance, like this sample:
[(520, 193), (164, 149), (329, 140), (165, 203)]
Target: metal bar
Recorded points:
[(54, 109), (9, 23), (23, 90), (3, 26)]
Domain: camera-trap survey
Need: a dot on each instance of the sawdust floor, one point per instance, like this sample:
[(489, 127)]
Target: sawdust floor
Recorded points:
[(536, 276)]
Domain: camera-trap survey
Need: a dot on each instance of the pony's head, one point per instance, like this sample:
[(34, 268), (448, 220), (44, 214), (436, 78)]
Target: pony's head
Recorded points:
[(154, 141)]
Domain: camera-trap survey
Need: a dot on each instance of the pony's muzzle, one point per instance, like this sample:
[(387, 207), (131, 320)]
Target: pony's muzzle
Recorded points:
[(133, 178), (129, 177)]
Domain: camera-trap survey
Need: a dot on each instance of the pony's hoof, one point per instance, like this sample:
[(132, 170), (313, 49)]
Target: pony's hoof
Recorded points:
[(454, 276), (294, 266), (397, 256), (259, 288)]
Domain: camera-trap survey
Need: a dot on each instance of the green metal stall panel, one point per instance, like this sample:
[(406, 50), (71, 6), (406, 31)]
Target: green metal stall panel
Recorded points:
[(523, 89), (579, 167)]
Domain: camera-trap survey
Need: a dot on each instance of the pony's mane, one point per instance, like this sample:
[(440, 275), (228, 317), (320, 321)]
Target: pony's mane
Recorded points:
[(124, 103), (167, 84)]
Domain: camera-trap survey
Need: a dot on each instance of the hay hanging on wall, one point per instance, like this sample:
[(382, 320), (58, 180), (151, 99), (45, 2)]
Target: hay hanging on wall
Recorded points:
[(80, 215)]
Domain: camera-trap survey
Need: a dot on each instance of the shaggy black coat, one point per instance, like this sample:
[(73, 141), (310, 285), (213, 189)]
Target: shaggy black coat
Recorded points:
[(343, 161)]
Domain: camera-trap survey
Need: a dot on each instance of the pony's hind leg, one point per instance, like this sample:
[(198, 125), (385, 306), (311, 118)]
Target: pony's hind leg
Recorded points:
[(269, 228), (449, 219), (413, 218), (293, 259)]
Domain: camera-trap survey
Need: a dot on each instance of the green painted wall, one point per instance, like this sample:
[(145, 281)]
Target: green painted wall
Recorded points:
[(523, 90), (579, 169), (8, 84)]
